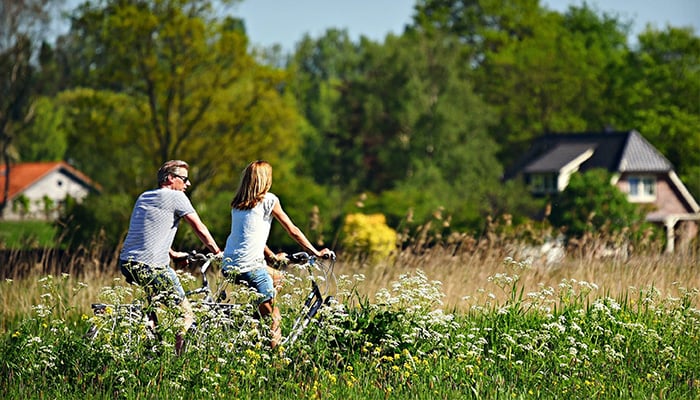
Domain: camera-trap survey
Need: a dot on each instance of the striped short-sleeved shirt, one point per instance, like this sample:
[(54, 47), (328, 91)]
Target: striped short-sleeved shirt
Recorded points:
[(153, 226)]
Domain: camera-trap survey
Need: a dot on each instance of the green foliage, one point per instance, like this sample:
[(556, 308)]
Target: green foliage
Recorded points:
[(27, 234), (46, 138), (591, 202), (369, 235), (104, 133), (164, 80), (97, 219), (171, 79), (421, 123), (20, 205), (399, 129), (662, 80)]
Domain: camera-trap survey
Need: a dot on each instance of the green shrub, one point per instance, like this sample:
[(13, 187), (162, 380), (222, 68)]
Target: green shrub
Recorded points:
[(27, 234)]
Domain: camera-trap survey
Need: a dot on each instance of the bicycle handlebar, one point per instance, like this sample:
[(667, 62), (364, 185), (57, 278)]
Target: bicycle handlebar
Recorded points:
[(300, 257), (303, 257), (207, 258)]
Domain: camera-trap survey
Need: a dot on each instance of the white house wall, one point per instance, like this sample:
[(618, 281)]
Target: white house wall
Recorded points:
[(56, 185)]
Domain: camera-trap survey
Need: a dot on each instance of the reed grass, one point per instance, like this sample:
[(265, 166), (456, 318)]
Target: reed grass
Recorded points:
[(462, 265)]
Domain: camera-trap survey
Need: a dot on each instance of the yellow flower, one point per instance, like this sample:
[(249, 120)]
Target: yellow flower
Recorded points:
[(332, 378)]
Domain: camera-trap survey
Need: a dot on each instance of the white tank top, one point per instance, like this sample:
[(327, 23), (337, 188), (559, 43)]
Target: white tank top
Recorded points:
[(245, 246)]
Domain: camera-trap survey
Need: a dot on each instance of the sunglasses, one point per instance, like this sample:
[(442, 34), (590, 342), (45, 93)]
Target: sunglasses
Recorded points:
[(184, 178)]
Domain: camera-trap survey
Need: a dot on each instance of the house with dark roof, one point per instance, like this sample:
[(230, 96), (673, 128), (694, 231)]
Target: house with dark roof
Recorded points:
[(639, 170), (38, 190)]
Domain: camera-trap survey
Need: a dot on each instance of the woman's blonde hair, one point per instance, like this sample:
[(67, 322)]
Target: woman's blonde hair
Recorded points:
[(256, 180)]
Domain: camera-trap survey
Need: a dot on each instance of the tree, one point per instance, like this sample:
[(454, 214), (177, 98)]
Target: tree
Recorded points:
[(22, 25), (591, 203), (320, 71), (157, 80), (435, 141), (45, 139), (542, 71), (663, 82), (405, 124), (188, 87)]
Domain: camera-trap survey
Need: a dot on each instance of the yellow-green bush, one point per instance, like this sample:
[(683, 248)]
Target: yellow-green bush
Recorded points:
[(369, 235)]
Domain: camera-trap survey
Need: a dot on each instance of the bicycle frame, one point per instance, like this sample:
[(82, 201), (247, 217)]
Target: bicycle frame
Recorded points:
[(137, 310), (315, 299), (203, 271)]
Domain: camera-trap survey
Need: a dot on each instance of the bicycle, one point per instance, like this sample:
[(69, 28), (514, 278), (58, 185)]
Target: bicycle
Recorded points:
[(223, 314), (131, 324), (319, 272)]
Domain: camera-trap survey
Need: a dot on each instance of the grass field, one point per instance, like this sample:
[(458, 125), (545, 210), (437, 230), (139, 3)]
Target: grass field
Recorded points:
[(439, 323), (27, 234)]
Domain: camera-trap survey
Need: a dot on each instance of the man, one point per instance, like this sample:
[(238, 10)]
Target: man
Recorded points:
[(146, 253)]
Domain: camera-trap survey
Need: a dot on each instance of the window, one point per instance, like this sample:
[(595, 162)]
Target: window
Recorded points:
[(642, 188), (543, 183)]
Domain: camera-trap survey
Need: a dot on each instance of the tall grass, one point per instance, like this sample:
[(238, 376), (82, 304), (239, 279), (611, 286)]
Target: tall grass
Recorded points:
[(461, 263), (465, 318)]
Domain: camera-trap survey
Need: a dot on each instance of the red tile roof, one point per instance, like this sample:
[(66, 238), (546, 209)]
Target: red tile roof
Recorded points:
[(25, 174)]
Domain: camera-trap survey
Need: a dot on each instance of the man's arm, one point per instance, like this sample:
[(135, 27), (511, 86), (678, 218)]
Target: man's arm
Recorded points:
[(202, 232)]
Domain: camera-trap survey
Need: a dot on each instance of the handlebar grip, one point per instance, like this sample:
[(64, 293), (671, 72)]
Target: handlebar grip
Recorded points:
[(300, 257), (194, 256)]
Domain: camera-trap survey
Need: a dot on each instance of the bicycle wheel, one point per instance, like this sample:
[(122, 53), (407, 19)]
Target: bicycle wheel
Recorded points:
[(122, 329), (222, 325)]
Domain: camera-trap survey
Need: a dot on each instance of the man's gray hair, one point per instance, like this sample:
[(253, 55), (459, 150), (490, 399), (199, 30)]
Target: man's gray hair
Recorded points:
[(170, 168)]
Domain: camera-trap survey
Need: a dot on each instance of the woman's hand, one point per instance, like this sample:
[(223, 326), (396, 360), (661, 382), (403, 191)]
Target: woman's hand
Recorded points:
[(326, 253)]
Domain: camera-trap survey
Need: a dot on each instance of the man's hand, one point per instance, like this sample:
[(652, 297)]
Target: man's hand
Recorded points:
[(180, 258), (279, 260)]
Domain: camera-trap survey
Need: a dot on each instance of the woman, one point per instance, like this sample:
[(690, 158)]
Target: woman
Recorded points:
[(252, 210)]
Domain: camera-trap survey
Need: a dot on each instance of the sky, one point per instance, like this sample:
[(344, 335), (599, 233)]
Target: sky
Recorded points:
[(285, 22)]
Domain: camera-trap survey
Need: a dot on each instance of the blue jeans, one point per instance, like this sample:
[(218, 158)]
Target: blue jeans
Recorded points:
[(257, 278), (154, 280)]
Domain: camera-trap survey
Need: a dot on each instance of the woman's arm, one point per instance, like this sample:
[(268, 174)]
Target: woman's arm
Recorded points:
[(295, 232)]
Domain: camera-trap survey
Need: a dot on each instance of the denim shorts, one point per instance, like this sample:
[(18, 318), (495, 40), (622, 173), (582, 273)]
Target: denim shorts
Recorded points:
[(154, 280), (256, 278)]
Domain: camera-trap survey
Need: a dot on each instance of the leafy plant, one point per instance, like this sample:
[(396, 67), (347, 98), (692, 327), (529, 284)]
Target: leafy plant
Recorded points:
[(591, 203)]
